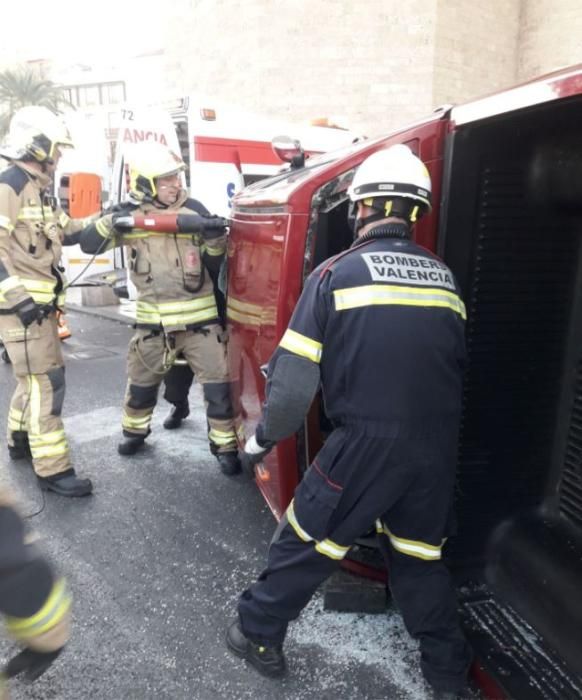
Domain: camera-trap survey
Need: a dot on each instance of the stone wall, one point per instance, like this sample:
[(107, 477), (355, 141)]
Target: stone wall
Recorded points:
[(550, 36), (475, 48), (369, 62), (374, 63)]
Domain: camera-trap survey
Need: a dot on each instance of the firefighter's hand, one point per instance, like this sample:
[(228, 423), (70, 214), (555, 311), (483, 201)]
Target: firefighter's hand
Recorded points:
[(122, 222), (253, 454), (30, 663), (29, 312)]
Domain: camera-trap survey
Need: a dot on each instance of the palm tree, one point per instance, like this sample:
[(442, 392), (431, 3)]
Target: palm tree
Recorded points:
[(23, 86)]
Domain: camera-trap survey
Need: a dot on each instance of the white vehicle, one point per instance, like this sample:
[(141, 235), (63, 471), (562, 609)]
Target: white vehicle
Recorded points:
[(82, 188), (224, 149)]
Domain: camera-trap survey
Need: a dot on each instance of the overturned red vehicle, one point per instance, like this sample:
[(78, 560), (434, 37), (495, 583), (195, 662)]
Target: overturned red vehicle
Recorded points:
[(507, 218)]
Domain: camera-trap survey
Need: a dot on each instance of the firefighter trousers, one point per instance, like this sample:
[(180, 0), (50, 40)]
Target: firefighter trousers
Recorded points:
[(37, 402), (149, 361), (402, 486)]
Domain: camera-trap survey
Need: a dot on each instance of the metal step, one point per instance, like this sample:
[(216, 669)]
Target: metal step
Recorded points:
[(512, 652)]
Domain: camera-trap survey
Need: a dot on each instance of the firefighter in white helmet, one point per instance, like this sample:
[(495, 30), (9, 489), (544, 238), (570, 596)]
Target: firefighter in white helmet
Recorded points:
[(176, 310), (380, 327), (33, 230)]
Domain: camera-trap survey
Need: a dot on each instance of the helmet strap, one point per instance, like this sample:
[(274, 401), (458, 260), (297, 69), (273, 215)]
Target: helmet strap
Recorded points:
[(398, 207)]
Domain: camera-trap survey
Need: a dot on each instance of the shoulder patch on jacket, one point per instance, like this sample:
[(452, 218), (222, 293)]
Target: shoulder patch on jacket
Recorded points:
[(14, 177), (196, 206)]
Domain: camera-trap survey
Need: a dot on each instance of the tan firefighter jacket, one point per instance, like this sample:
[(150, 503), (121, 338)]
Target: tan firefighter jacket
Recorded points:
[(33, 229), (173, 272)]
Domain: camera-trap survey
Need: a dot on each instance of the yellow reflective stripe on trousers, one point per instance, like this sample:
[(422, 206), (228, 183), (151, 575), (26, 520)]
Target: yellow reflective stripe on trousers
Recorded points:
[(6, 223), (138, 422), (414, 548), (16, 420), (48, 444), (52, 612), (386, 294), (50, 450), (34, 399), (331, 549), (301, 345), (299, 531), (221, 437), (63, 219), (327, 547), (46, 438)]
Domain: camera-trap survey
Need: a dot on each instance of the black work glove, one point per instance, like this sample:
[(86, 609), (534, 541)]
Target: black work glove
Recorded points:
[(253, 453), (31, 663), (122, 222), (29, 312)]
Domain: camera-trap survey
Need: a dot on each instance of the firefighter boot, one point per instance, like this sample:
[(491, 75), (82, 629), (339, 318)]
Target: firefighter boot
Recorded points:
[(131, 445), (179, 411), (66, 484), (229, 463), (269, 661), (21, 448)]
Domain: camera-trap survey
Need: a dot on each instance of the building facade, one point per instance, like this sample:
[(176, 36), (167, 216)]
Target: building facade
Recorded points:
[(373, 65)]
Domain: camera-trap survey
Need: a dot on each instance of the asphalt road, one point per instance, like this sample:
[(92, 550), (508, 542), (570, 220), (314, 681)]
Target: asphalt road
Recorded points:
[(157, 556)]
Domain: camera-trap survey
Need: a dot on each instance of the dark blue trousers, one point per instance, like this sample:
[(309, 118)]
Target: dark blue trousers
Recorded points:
[(403, 486)]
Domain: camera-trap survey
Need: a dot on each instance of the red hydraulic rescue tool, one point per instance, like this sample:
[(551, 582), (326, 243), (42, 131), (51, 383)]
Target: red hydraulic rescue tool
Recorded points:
[(169, 223)]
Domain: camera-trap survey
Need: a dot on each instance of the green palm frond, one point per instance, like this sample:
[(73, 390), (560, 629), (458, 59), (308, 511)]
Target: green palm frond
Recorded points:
[(23, 86)]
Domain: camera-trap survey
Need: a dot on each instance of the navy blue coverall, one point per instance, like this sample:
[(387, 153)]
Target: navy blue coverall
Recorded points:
[(384, 322)]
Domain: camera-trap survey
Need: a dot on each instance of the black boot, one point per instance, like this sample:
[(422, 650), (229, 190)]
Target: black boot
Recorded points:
[(21, 447), (229, 463), (130, 445), (269, 661), (179, 411), (66, 484)]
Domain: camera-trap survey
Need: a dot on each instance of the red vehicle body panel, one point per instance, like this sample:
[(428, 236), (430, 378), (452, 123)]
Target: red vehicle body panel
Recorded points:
[(267, 250), (266, 258)]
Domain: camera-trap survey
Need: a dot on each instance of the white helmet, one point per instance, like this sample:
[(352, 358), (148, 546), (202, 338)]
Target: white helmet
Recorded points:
[(35, 132), (392, 173), (148, 161)]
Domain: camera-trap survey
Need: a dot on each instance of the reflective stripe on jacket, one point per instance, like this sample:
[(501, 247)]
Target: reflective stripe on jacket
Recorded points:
[(33, 230), (384, 323), (173, 272)]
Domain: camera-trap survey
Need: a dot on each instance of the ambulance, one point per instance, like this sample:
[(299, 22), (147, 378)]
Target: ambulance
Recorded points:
[(224, 148), (82, 188)]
